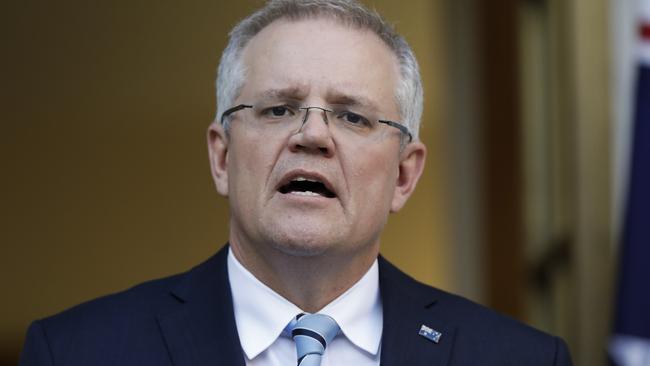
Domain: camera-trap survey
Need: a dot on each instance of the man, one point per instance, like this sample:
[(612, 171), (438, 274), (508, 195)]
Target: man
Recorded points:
[(314, 144)]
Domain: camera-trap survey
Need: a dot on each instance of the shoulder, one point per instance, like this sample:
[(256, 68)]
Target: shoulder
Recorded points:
[(110, 311), (103, 330), (145, 300), (479, 332), (104, 326)]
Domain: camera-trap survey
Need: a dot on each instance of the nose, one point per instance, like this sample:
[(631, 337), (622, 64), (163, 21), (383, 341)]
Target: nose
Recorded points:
[(314, 135)]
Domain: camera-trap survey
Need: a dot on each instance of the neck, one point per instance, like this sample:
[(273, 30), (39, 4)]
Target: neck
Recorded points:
[(309, 282)]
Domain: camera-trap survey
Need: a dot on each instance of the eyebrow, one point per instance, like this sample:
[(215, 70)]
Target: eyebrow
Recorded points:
[(300, 93), (294, 93), (350, 100)]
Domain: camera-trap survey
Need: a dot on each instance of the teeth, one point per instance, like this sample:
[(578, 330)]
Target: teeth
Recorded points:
[(303, 179), (305, 193), (301, 185)]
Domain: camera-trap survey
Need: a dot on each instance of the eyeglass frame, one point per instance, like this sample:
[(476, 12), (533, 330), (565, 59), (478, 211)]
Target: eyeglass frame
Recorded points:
[(397, 125)]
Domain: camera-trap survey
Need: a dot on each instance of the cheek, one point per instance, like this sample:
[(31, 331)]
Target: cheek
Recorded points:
[(375, 179), (374, 183), (250, 165), (240, 174)]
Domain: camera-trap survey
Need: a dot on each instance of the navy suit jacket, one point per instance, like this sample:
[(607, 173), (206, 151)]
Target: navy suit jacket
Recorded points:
[(188, 319)]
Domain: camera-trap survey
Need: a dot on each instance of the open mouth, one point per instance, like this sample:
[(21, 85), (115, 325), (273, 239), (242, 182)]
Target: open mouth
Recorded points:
[(306, 187)]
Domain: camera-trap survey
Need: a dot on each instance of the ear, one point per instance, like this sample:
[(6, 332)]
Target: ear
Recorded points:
[(218, 150), (411, 165)]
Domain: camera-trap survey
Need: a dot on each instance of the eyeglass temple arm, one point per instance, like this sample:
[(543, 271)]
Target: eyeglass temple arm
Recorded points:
[(399, 126), (233, 110)]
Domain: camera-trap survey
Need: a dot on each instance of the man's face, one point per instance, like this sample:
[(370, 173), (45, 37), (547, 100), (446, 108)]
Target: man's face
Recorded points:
[(352, 185)]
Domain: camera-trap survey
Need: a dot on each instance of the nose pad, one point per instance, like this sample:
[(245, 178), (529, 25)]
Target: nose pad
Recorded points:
[(314, 137), (305, 118)]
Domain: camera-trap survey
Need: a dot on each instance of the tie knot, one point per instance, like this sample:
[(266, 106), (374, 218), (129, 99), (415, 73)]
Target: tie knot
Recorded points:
[(312, 333)]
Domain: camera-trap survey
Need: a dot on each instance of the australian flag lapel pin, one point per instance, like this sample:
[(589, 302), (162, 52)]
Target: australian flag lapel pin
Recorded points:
[(430, 334)]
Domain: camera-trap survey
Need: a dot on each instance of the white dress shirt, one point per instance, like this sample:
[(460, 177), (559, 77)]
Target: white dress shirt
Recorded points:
[(262, 315)]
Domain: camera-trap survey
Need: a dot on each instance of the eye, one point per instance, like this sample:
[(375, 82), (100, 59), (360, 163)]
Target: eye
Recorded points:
[(278, 111), (353, 118)]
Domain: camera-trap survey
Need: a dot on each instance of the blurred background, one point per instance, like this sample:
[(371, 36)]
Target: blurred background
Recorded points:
[(105, 177)]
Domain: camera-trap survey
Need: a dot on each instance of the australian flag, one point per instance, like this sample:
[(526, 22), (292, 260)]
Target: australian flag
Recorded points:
[(631, 340)]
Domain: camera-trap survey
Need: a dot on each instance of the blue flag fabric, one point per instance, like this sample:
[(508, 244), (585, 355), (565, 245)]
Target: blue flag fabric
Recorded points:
[(633, 311), (631, 341)]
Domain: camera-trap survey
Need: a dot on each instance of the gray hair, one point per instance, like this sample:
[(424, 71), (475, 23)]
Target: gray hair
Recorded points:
[(231, 73)]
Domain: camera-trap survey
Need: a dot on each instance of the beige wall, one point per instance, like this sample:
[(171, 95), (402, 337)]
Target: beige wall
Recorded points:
[(568, 143), (594, 233), (105, 180)]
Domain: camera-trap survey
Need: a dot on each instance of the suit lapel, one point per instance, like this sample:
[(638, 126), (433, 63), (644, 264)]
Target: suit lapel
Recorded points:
[(406, 308), (200, 328)]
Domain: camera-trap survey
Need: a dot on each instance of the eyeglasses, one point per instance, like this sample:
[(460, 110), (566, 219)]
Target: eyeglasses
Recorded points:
[(287, 117)]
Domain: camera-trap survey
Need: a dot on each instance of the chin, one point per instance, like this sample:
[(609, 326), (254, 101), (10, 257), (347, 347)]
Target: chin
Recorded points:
[(302, 235), (303, 243)]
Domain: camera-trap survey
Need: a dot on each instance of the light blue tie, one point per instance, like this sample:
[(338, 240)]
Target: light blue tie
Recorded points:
[(312, 333)]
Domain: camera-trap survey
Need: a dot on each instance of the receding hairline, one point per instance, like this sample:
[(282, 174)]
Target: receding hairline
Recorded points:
[(295, 11), (342, 20)]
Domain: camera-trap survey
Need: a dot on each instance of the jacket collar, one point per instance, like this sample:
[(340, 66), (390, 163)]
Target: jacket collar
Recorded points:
[(200, 328), (409, 305)]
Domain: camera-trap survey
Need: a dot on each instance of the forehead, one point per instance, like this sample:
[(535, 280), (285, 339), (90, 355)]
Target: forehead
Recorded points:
[(320, 57)]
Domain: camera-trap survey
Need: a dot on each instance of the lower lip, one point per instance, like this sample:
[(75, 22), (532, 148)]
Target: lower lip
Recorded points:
[(309, 194), (306, 197)]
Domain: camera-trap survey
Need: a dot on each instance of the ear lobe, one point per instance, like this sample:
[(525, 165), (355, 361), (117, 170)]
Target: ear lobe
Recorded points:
[(412, 160), (218, 151)]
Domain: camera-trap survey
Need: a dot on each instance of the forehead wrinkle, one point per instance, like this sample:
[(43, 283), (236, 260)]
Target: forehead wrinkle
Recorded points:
[(332, 96)]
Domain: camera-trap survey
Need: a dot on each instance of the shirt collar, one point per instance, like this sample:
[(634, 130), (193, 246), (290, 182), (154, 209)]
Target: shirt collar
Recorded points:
[(261, 314), (359, 313)]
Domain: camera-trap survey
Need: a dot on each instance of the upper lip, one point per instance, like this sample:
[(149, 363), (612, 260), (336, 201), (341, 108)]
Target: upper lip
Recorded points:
[(312, 176)]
